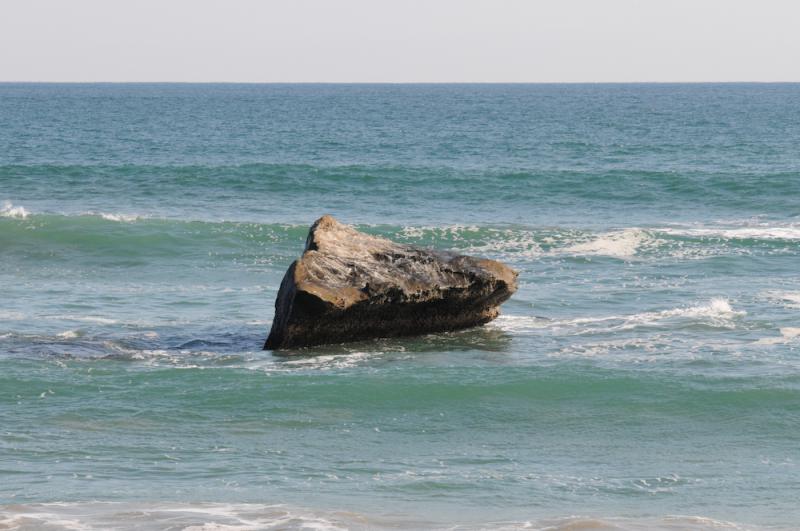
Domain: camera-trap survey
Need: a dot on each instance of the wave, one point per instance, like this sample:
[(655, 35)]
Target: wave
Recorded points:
[(70, 334), (520, 242), (8, 210), (792, 298), (788, 335), (620, 244), (127, 239), (787, 232), (6, 315), (249, 516), (788, 299), (85, 318), (514, 182), (233, 345), (131, 235), (717, 313), (117, 217)]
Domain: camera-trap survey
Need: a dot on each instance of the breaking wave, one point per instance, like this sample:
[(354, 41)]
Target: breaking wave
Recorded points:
[(717, 313), (8, 210), (787, 232), (140, 234), (620, 244), (117, 217)]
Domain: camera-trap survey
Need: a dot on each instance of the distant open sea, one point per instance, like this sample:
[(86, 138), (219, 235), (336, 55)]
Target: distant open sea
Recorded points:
[(646, 375)]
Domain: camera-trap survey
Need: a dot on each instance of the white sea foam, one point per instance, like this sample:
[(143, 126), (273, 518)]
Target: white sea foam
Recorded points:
[(792, 298), (509, 245), (6, 315), (83, 318), (788, 335), (187, 516), (717, 312), (624, 243), (122, 352), (451, 232), (94, 516), (789, 299), (8, 210), (789, 232), (499, 242), (319, 363), (718, 307), (643, 347), (521, 323), (119, 217), (69, 334)]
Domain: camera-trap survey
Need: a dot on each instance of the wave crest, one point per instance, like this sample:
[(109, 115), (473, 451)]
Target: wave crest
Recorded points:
[(763, 232), (619, 244), (8, 210), (717, 312), (127, 218)]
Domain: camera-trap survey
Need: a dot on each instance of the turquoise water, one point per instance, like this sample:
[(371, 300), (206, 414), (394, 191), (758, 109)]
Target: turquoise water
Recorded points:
[(646, 374)]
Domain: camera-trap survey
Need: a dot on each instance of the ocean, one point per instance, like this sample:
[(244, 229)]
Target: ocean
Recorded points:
[(646, 375)]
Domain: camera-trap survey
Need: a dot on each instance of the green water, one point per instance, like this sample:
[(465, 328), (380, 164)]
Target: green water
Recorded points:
[(646, 375)]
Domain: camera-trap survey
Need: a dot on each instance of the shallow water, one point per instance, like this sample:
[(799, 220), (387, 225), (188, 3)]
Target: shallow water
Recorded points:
[(646, 375)]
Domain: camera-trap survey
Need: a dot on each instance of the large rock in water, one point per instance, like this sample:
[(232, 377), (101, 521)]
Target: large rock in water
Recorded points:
[(349, 286)]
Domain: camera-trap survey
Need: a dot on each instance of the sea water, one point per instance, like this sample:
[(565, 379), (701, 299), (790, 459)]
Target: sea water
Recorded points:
[(646, 375)]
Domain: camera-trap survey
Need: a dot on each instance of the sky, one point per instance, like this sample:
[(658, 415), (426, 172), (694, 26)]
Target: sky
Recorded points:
[(400, 40)]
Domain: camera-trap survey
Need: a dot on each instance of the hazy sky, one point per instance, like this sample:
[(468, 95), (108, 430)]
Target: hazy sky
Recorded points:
[(400, 40)]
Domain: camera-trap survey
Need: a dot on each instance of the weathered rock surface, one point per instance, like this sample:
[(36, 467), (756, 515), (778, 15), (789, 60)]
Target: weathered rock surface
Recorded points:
[(349, 286)]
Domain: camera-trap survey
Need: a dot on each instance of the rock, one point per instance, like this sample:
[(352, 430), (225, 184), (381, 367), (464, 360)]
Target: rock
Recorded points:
[(349, 286)]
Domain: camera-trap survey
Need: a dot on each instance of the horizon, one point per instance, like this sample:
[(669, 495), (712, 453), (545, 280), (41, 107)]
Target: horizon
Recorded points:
[(394, 83)]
